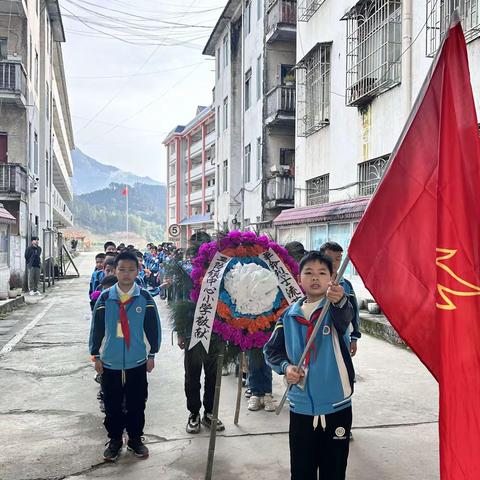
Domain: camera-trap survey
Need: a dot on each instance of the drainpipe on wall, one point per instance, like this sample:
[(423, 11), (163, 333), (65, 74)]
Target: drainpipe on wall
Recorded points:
[(407, 56)]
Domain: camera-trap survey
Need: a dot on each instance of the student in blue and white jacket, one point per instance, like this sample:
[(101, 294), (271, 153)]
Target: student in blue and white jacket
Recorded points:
[(123, 316), (320, 405), (97, 276), (353, 334)]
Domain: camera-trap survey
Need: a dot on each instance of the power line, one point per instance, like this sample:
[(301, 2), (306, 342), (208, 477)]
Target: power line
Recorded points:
[(119, 124), (127, 127), (120, 91), (140, 39), (112, 99), (150, 19), (96, 77), (190, 10)]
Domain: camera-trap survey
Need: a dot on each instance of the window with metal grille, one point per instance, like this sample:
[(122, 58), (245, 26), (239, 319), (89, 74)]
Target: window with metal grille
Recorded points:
[(317, 190), (307, 9), (287, 156), (374, 48), (370, 174), (313, 90), (439, 13)]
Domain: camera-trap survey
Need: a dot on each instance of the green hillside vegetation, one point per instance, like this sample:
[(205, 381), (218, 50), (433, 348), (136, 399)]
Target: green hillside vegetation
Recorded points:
[(103, 211)]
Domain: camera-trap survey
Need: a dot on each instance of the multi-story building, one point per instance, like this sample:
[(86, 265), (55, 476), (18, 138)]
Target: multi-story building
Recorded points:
[(360, 66), (35, 127), (254, 48), (191, 176)]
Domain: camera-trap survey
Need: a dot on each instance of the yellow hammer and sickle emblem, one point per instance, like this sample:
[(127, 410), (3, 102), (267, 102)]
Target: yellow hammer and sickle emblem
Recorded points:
[(446, 292)]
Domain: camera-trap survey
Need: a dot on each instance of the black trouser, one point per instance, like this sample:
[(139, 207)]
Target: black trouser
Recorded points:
[(131, 384), (194, 360), (320, 453)]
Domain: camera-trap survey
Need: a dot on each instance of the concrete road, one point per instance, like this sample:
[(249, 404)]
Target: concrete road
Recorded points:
[(51, 426)]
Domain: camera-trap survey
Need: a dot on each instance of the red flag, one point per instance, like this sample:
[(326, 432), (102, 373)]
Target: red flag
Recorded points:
[(125, 191), (417, 249)]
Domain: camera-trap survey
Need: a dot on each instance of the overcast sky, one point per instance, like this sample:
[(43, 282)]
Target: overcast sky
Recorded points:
[(126, 97)]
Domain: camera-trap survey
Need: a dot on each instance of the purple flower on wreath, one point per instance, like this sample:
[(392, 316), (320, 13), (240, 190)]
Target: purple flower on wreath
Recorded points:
[(263, 241), (236, 336), (249, 237)]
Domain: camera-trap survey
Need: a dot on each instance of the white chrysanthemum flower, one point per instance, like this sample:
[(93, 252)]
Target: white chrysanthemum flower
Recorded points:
[(252, 288)]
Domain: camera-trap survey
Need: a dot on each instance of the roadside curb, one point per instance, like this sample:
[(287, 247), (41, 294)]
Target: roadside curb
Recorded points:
[(7, 306), (380, 327)]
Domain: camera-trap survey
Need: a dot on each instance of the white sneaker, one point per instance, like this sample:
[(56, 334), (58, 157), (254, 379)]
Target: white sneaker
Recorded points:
[(38, 293), (269, 403), (255, 403), (31, 293)]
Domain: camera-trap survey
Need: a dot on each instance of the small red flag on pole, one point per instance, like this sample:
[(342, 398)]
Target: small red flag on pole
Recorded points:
[(417, 249), (125, 194)]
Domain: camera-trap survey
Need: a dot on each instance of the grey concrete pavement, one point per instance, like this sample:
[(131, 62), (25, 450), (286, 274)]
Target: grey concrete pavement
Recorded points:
[(52, 427)]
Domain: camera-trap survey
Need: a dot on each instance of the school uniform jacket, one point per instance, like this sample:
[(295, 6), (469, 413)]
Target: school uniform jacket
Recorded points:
[(355, 333), (329, 382), (143, 321), (95, 280)]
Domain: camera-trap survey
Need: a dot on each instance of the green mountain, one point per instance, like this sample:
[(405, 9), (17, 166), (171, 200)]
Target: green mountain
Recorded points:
[(91, 175), (104, 211)]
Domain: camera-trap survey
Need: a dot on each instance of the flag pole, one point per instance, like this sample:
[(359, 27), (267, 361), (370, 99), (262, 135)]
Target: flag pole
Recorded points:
[(216, 404), (325, 309), (126, 190)]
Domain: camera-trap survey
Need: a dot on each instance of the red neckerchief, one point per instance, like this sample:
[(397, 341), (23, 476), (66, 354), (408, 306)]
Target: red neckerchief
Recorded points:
[(310, 324), (124, 320)]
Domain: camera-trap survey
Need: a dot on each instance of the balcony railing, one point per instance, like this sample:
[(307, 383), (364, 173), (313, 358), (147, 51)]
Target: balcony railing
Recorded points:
[(280, 191), (210, 193), (282, 20), (13, 178), (13, 83), (281, 104), (62, 214), (196, 196)]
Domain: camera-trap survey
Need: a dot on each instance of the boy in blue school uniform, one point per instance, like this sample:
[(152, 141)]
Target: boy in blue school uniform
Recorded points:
[(109, 247), (123, 315), (97, 275), (353, 334), (320, 396), (142, 279)]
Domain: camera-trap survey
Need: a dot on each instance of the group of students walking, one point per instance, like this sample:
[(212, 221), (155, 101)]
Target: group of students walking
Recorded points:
[(125, 314)]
